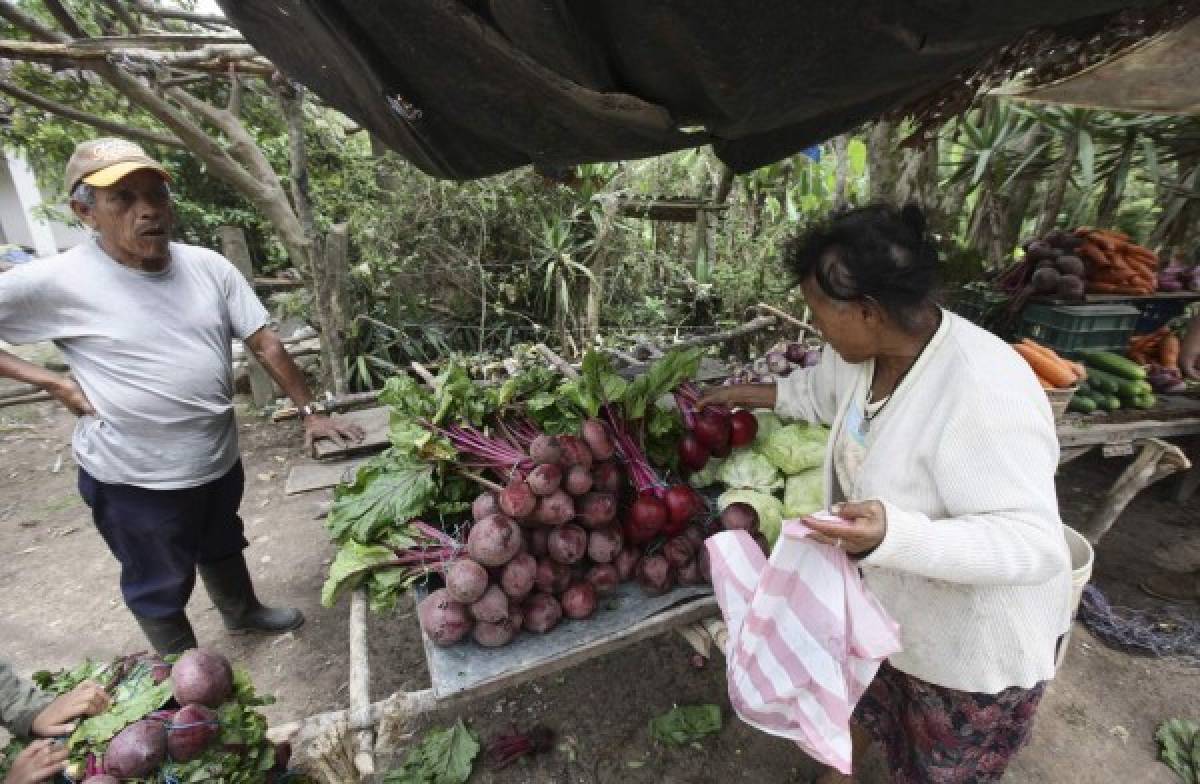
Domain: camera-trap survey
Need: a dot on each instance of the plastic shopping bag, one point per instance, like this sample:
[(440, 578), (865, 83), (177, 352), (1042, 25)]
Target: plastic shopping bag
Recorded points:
[(805, 637)]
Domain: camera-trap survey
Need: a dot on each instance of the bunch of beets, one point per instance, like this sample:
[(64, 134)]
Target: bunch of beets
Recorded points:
[(579, 515)]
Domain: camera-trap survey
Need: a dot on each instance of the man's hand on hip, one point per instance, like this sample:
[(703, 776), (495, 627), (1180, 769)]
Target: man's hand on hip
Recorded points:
[(70, 394), (318, 426)]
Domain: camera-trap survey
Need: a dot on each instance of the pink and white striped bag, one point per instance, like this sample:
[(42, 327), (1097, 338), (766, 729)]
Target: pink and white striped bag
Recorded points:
[(805, 637)]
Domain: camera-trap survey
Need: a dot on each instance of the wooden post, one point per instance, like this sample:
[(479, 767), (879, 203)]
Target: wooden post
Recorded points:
[(233, 245), (360, 720)]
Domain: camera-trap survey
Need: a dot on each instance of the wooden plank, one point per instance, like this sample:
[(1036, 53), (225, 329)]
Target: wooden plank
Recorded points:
[(677, 616), (306, 477), (375, 421), (234, 247), (1073, 435)]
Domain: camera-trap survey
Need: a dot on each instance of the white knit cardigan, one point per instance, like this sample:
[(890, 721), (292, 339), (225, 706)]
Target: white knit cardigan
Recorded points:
[(974, 566)]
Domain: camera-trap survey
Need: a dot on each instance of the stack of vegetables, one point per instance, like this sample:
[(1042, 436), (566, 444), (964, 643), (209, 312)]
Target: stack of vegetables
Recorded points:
[(1051, 267), (186, 718), (1115, 264), (1052, 371), (1113, 382), (777, 363), (1178, 276), (773, 476), (1158, 352), (575, 499)]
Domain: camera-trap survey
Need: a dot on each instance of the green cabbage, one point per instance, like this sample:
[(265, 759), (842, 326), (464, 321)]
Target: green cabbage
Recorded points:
[(796, 448), (746, 468), (768, 507), (707, 475), (768, 423), (804, 493)]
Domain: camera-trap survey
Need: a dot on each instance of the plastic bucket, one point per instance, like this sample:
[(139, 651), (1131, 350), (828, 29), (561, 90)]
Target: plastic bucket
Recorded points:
[(1081, 571)]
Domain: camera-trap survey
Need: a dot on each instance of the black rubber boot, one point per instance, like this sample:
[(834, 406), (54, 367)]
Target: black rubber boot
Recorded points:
[(228, 584), (168, 635)]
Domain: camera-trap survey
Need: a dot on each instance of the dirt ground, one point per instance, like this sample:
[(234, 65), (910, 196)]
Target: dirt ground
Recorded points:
[(59, 602)]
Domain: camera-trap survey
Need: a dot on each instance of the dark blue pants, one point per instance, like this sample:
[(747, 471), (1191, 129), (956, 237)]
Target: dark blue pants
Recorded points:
[(159, 536)]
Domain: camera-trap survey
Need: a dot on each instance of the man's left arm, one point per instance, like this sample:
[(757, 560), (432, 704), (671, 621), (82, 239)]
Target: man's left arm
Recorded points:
[(269, 349)]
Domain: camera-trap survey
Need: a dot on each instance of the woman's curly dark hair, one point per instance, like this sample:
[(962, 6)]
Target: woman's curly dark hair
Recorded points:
[(876, 253)]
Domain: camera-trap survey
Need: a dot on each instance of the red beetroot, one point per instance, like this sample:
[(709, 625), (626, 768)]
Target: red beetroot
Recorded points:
[(545, 479), (495, 635), (517, 499), (597, 509), (743, 427), (542, 612), (567, 543), (579, 480), (545, 449), (689, 573), (627, 562), (493, 541), (492, 607), (604, 578), (655, 574), (443, 619), (575, 452), (518, 576), (579, 601), (647, 516), (194, 728), (683, 504), (695, 535), (606, 478), (555, 509), (537, 542), (739, 516), (704, 564), (484, 506), (678, 551), (552, 576), (466, 580), (712, 429), (595, 435), (692, 453), (604, 544)]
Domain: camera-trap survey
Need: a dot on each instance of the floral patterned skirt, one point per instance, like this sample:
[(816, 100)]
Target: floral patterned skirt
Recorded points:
[(935, 735)]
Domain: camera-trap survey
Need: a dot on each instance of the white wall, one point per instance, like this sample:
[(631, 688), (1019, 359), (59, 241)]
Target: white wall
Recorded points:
[(19, 196)]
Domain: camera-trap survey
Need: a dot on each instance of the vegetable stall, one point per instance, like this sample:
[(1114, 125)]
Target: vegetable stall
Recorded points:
[(551, 517)]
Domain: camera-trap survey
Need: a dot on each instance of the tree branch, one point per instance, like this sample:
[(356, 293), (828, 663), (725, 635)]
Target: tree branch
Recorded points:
[(69, 112), (215, 58), (24, 21), (184, 16), (291, 101), (121, 13), (234, 106), (64, 18), (158, 40)]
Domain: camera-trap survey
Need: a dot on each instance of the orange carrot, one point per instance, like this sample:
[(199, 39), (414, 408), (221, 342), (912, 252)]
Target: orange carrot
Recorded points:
[(1168, 352), (1054, 371)]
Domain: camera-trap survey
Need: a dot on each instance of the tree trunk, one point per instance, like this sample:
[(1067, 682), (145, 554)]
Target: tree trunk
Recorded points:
[(1057, 191), (329, 262), (1114, 187), (883, 162), (841, 180), (234, 248)]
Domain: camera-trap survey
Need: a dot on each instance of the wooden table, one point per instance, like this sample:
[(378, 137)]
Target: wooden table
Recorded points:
[(1145, 437)]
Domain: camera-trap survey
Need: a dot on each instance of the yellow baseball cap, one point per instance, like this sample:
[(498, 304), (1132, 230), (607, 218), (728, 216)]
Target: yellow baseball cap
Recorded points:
[(103, 162)]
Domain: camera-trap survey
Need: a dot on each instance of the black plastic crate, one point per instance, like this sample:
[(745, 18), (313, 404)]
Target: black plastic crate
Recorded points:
[(1069, 329), (1156, 312)]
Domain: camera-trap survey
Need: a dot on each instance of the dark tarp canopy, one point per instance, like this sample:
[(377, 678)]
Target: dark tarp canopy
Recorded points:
[(468, 88)]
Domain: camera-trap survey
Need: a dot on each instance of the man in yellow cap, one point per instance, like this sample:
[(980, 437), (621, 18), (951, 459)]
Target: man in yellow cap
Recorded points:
[(146, 326)]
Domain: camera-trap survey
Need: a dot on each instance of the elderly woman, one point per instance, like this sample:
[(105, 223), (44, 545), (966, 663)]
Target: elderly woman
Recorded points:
[(941, 464)]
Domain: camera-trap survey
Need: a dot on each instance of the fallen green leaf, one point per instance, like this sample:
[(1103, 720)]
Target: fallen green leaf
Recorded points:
[(1179, 748), (443, 757), (686, 724)]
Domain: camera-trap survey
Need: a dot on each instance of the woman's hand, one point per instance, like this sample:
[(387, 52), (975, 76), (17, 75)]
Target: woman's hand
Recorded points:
[(861, 529), (739, 396), (40, 762), (58, 718)]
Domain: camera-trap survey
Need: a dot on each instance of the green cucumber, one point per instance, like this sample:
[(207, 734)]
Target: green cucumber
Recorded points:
[(1082, 404), (1110, 403), (1117, 385), (1100, 382), (1115, 364), (1145, 401)]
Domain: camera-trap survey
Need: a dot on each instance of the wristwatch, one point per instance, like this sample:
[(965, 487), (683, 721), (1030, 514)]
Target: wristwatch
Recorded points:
[(308, 409)]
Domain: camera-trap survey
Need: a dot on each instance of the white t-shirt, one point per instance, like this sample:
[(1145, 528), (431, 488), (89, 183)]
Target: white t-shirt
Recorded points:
[(152, 352)]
